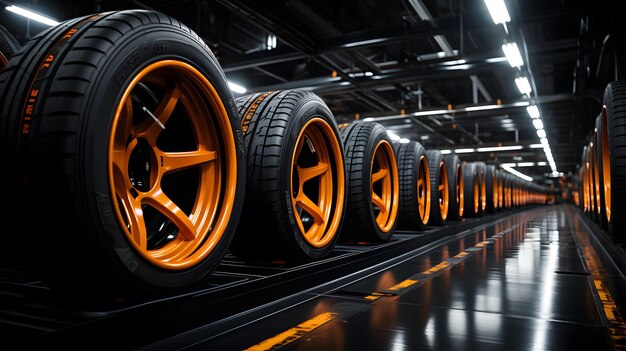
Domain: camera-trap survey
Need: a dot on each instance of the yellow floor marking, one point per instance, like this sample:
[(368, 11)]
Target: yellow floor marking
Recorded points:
[(293, 334), (437, 268), (404, 284)]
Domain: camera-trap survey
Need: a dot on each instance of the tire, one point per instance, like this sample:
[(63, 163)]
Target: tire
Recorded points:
[(481, 168), (472, 189), (599, 173), (414, 176), (372, 183), (593, 167), (456, 186), (439, 188), (500, 188), (491, 189), (8, 46), (145, 207), (614, 161), (296, 181)]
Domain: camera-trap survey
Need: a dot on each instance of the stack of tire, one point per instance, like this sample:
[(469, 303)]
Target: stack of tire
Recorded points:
[(120, 133), (600, 180)]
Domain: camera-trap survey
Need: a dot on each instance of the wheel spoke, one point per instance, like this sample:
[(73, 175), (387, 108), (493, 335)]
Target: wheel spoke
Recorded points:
[(310, 207), (168, 208), (131, 207), (379, 175), (308, 173), (179, 160), (149, 129), (376, 200), (420, 182)]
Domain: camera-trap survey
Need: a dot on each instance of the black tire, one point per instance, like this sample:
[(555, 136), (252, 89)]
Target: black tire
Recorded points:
[(414, 175), (491, 189), (456, 186), (439, 188), (8, 46), (614, 179), (599, 173), (372, 183), (142, 209), (481, 168), (289, 134), (471, 184)]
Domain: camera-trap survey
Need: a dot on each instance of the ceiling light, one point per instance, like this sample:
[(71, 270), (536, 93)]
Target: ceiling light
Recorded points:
[(446, 152), (508, 164), (542, 163), (525, 164), (537, 123), (523, 85), (544, 142), (513, 55), (536, 146), (464, 151), (236, 88), (541, 133), (517, 173), (271, 41), (481, 108), (499, 148), (31, 15), (533, 111), (497, 10)]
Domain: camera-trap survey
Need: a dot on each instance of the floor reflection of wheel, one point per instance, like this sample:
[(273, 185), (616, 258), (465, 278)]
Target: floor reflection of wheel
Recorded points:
[(128, 143), (295, 199), (613, 158), (456, 186), (372, 183), (439, 188), (414, 175)]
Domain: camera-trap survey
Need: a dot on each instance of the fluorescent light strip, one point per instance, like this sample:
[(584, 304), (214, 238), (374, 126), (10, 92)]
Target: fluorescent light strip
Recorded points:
[(497, 10), (481, 108), (542, 163), (31, 15), (237, 88), (463, 151), (517, 173), (541, 133), (525, 164), (499, 148), (538, 123), (536, 146), (511, 51), (523, 85), (533, 111), (446, 152)]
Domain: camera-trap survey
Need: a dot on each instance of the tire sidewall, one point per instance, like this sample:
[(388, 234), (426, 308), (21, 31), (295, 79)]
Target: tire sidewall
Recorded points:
[(306, 110), (148, 44)]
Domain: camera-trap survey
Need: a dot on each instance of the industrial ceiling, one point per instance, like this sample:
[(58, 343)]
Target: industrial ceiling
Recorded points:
[(429, 70)]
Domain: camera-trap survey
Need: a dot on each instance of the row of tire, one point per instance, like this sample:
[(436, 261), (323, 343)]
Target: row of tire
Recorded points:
[(133, 170), (599, 184)]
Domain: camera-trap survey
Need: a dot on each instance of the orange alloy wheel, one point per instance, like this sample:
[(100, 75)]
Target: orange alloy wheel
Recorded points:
[(174, 196), (383, 190), (476, 195), (314, 184), (423, 190), (460, 190), (444, 197)]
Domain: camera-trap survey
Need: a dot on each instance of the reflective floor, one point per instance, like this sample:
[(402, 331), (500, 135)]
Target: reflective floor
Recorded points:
[(537, 280)]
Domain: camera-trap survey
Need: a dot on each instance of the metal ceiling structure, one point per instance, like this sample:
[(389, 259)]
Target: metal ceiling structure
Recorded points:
[(429, 70)]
